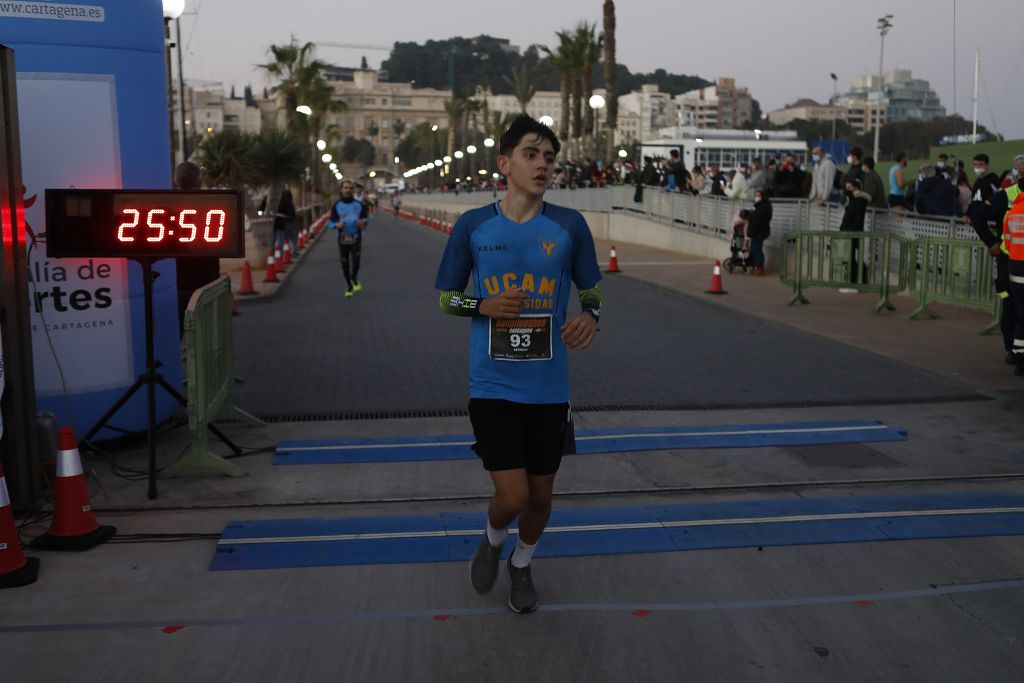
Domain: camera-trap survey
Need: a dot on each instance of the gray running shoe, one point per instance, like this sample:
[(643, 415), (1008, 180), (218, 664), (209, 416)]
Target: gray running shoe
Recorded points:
[(483, 569), (523, 597)]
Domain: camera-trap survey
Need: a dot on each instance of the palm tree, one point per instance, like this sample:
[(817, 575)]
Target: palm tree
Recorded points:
[(227, 159), (611, 78), (588, 47), (524, 85), (455, 108), (473, 108), (295, 69), (561, 58)]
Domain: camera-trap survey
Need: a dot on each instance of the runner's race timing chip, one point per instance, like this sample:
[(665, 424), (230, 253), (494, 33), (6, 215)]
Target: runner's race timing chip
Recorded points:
[(152, 224)]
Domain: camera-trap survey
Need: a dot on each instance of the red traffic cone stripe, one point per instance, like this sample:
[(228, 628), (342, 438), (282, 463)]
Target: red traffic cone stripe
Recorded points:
[(716, 280), (287, 254), (613, 262), (74, 525), (271, 275), (15, 568), (246, 288)]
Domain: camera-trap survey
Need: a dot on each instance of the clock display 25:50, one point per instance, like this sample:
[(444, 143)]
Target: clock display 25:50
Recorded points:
[(156, 230)]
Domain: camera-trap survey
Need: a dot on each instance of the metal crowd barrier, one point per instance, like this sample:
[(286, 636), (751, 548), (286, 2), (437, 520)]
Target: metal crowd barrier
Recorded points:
[(210, 376), (866, 261), (952, 271)]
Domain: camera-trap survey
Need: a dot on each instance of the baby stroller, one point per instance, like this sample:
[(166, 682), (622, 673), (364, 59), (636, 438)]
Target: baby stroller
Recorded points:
[(740, 257)]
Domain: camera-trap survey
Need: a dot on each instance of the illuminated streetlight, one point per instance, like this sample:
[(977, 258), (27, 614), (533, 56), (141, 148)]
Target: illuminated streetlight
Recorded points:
[(321, 145), (173, 8), (597, 102), (447, 159), (433, 128), (459, 154), (623, 154), (438, 164), (495, 175), (304, 109), (397, 160), (547, 121), (326, 158), (488, 142), (471, 149), (373, 174), (698, 140)]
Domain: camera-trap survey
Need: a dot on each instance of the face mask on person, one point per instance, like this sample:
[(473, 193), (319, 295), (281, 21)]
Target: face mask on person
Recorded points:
[(849, 158), (803, 167), (1014, 173), (941, 164), (816, 157), (979, 170), (757, 199)]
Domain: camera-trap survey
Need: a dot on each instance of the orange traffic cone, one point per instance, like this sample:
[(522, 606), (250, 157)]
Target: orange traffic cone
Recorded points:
[(271, 275), (716, 280), (287, 254), (613, 262), (15, 568), (302, 240), (74, 524), (246, 289)]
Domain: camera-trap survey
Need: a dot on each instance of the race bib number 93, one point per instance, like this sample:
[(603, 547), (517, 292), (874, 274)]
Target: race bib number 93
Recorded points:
[(526, 338)]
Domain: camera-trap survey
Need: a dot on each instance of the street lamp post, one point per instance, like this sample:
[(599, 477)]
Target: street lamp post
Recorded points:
[(172, 10), (597, 103), (835, 96), (884, 24)]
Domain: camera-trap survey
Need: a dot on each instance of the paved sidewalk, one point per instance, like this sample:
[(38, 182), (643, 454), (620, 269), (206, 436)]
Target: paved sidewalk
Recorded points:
[(950, 346)]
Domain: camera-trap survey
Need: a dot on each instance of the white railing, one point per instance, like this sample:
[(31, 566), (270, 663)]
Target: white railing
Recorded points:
[(714, 215)]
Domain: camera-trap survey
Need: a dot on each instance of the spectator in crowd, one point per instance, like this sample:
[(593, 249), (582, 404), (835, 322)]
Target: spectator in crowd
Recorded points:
[(738, 187), (986, 183), (1014, 174), (769, 177), (942, 166), (757, 180), (668, 178), (963, 187), (934, 196), (718, 182), (789, 179), (856, 170), (698, 183), (650, 174), (857, 201), (678, 170), (559, 178), (284, 221), (873, 185), (759, 228), (898, 183), (824, 175)]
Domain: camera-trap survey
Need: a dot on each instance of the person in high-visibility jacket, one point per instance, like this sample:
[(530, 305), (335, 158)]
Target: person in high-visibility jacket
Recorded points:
[(1006, 243)]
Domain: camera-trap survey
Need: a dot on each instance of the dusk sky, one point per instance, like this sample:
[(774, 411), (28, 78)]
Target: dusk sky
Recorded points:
[(780, 51)]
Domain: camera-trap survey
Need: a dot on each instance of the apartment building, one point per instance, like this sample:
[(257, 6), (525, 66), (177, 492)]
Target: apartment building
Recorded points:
[(721, 105)]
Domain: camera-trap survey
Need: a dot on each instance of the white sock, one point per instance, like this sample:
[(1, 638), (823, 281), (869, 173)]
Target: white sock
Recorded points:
[(522, 555), (496, 537)]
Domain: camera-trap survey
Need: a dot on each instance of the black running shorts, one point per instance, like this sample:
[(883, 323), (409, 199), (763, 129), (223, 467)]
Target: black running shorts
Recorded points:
[(512, 436)]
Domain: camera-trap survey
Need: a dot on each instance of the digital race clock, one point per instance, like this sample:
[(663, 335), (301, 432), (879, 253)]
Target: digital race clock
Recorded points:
[(151, 224)]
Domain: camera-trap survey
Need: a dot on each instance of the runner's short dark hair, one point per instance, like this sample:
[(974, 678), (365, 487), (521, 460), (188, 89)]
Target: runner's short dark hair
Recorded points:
[(522, 126)]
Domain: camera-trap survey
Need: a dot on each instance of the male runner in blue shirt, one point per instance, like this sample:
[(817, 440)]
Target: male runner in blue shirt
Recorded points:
[(349, 216), (523, 256)]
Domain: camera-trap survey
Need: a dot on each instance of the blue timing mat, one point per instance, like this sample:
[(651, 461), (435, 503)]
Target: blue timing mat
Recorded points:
[(451, 537), (621, 440)]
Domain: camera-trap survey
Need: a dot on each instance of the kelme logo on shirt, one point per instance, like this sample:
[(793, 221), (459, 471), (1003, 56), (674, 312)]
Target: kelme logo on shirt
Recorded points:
[(492, 247), (546, 247)]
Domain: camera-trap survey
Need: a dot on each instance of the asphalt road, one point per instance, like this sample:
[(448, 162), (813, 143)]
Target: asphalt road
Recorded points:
[(390, 351)]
